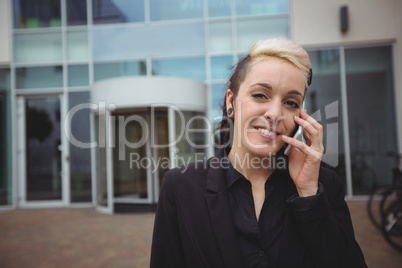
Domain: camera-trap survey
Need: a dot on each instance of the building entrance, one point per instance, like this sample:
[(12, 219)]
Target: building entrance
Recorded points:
[(140, 136), (40, 151), (138, 163)]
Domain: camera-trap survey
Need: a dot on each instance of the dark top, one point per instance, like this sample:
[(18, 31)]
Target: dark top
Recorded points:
[(194, 226), (259, 242)]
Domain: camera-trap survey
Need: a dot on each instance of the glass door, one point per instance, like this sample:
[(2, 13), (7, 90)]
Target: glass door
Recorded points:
[(140, 155), (160, 148), (40, 150), (131, 162)]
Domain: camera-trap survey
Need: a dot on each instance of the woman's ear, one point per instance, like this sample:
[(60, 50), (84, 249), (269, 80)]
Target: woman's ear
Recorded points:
[(229, 103)]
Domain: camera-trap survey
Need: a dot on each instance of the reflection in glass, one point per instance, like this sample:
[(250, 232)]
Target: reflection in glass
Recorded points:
[(37, 48), (76, 12), (77, 45), (43, 154), (78, 75), (80, 158), (251, 30), (174, 9), (323, 101), (192, 145), (39, 77), (117, 11), (189, 67), (262, 7), (220, 36), (36, 13), (118, 69), (219, 8), (372, 129), (130, 157), (221, 67), (101, 166)]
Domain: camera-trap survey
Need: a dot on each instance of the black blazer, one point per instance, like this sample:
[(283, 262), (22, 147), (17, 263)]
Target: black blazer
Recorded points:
[(194, 227)]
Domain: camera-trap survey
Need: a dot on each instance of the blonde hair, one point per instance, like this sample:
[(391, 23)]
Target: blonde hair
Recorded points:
[(284, 49)]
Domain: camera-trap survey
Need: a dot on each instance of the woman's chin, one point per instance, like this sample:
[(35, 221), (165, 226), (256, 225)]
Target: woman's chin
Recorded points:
[(264, 150)]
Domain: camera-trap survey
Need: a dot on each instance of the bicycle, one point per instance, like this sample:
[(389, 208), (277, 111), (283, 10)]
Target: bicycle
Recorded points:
[(385, 207), (384, 196), (392, 224)]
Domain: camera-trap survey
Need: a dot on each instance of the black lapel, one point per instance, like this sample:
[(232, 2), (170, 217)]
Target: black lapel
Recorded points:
[(219, 212), (292, 248)]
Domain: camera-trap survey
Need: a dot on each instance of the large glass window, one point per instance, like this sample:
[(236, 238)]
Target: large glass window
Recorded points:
[(323, 101), (36, 13), (218, 92), (262, 7), (117, 11), (78, 75), (371, 111), (191, 144), (76, 12), (38, 48), (251, 30), (39, 77), (118, 69), (5, 138), (176, 9), (189, 67), (77, 45), (220, 36), (221, 67), (155, 39), (219, 8), (80, 158)]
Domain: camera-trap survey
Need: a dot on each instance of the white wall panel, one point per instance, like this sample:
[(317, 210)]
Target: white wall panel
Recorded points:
[(317, 22)]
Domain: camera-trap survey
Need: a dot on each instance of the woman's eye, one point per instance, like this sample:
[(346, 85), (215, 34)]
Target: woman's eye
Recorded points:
[(292, 104), (259, 95)]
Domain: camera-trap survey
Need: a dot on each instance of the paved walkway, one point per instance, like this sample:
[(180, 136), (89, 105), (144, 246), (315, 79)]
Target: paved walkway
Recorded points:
[(83, 237)]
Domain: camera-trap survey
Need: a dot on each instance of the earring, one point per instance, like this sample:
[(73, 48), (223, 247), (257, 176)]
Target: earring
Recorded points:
[(230, 111)]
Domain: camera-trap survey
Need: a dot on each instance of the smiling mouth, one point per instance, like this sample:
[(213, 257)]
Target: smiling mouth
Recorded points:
[(267, 132)]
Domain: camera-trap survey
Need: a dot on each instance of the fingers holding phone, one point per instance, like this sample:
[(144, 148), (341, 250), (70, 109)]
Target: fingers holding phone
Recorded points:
[(304, 163), (297, 135), (312, 133)]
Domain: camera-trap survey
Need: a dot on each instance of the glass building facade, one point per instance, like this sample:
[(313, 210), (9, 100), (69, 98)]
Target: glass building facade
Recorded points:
[(5, 138), (61, 48)]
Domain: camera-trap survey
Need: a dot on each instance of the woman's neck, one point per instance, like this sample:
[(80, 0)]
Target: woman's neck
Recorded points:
[(256, 169)]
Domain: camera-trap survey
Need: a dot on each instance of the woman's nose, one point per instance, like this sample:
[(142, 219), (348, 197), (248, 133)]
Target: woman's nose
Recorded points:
[(273, 112)]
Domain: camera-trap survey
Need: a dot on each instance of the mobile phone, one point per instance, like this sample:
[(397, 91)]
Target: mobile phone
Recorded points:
[(296, 136)]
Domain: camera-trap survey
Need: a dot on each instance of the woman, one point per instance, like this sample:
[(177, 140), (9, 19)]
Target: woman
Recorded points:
[(250, 205)]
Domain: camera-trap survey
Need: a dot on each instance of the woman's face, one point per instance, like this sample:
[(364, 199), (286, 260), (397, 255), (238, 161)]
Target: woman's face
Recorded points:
[(268, 99)]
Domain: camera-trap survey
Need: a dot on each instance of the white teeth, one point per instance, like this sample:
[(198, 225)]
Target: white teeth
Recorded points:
[(266, 132)]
